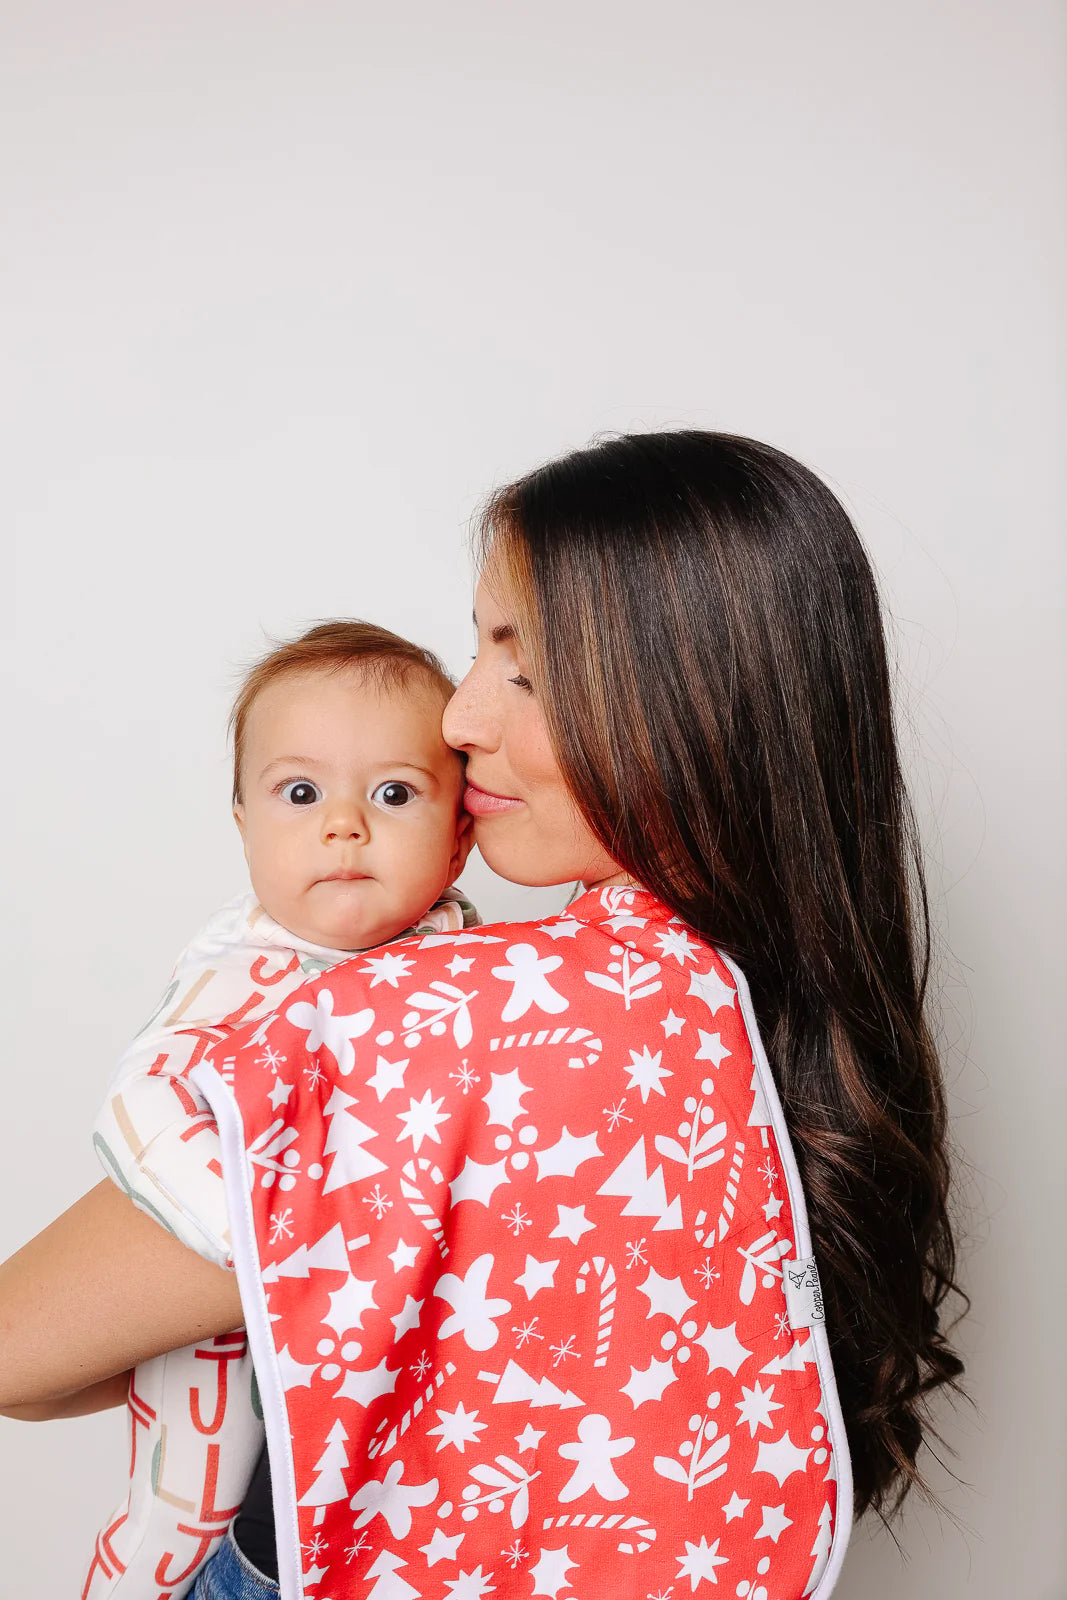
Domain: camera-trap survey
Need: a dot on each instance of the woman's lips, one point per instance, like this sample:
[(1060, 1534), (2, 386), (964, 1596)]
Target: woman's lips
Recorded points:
[(483, 803)]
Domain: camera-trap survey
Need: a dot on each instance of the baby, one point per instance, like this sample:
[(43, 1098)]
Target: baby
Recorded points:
[(348, 803)]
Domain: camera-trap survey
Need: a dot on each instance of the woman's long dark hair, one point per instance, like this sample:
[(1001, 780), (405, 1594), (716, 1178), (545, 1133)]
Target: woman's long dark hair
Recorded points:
[(706, 639)]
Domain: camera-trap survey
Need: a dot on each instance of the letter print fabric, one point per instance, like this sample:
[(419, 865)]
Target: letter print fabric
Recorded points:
[(517, 1301)]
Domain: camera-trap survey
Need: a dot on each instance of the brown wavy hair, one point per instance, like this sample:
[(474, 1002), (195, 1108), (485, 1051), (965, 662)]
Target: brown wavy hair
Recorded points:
[(706, 641)]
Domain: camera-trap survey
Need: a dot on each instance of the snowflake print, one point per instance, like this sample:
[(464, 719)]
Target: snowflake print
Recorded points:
[(769, 1172), (783, 1328), (706, 1273), (421, 1366), (516, 1554), (527, 1332), (565, 1348), (635, 1254), (281, 1225), (615, 1115), (378, 1202), (313, 1550), (314, 1075), (516, 1219), (357, 1547), (662, 1594), (271, 1058), (465, 1077)]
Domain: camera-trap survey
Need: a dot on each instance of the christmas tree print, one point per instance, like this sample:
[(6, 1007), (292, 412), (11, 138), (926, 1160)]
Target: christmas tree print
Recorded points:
[(329, 1485)]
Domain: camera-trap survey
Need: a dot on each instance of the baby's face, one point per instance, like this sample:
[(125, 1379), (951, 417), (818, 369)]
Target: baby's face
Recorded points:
[(350, 806)]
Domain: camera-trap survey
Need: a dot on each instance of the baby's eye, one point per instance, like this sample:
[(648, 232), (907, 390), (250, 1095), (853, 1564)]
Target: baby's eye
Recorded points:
[(392, 795), (300, 792)]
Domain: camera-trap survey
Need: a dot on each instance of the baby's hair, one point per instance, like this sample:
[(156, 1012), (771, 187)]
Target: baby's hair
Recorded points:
[(384, 657)]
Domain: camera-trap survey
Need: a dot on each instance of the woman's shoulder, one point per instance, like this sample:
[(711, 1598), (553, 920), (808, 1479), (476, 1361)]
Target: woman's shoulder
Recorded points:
[(615, 971)]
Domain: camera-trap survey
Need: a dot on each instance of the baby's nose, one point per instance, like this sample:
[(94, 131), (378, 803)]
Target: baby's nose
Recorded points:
[(343, 821)]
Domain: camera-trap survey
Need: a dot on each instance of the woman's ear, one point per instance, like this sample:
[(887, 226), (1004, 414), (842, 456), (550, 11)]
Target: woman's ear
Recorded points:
[(462, 846)]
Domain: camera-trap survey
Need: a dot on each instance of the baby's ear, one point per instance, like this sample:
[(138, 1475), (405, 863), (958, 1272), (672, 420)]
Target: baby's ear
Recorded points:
[(239, 818), (463, 844)]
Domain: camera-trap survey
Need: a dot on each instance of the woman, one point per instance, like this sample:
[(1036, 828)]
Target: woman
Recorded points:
[(595, 1354)]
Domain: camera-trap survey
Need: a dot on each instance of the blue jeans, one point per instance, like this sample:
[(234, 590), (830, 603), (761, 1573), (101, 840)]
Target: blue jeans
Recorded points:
[(230, 1576)]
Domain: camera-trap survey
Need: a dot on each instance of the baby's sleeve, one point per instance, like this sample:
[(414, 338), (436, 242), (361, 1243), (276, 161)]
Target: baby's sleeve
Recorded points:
[(156, 1138)]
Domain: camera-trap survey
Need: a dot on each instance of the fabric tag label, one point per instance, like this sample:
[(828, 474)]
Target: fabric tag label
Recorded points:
[(803, 1292)]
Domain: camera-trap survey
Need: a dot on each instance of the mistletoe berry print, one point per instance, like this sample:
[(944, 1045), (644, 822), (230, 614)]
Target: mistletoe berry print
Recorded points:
[(520, 1319)]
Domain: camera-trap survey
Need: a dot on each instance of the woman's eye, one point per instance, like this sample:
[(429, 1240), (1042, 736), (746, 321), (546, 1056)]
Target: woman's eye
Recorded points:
[(392, 795), (300, 792)]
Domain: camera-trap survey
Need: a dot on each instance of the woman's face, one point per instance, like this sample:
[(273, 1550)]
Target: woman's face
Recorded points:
[(525, 823)]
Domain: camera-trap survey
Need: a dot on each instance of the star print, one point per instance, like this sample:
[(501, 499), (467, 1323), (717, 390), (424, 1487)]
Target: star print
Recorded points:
[(407, 1317), (470, 1585), (563, 1158), (709, 987), (560, 930), (504, 1098), (478, 1180), (460, 964), (387, 1075), (646, 1073), (756, 1407), (422, 1119), (279, 1093), (572, 1223), (314, 1575), (550, 1572), (529, 1438), (387, 968), (774, 1523), (649, 1383), (700, 1561), (772, 1207), (711, 1048), (459, 1428), (537, 1275), (665, 1295), (672, 1024), (723, 1349), (677, 943), (735, 1507), (781, 1457), (441, 1547), (405, 1255)]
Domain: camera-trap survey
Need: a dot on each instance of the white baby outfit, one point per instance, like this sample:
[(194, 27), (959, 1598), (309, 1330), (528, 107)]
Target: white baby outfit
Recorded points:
[(195, 1422)]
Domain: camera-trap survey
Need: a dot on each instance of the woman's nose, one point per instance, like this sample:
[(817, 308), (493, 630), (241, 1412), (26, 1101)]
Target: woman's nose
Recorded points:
[(468, 722)]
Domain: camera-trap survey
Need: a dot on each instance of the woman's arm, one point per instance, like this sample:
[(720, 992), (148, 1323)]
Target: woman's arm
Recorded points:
[(100, 1290), (100, 1396)]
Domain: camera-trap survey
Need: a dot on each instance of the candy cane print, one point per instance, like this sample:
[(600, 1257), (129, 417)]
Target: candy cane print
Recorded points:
[(606, 1273), (379, 1447), (419, 1204), (729, 1198), (644, 1535)]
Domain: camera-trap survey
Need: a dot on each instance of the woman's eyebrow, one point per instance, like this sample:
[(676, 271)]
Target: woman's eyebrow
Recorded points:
[(501, 634)]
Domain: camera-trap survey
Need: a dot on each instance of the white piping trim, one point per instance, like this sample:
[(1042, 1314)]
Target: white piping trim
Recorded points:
[(257, 1324), (824, 1366)]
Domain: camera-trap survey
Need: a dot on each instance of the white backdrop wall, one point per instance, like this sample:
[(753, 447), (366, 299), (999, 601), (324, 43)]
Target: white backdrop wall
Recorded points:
[(286, 288)]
